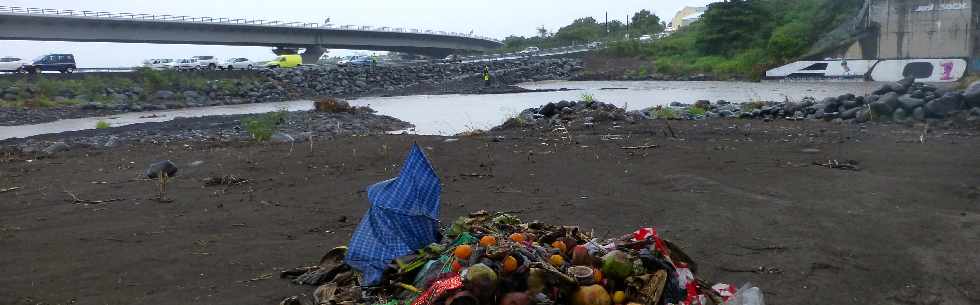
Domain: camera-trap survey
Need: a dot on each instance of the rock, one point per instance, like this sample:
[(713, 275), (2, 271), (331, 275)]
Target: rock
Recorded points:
[(703, 104), (971, 96), (900, 115), (890, 98), (845, 97), (282, 138), (908, 102), (548, 110), (862, 116), (163, 95), (850, 113), (56, 147), (160, 167), (919, 114), (113, 141), (940, 107), (191, 95), (90, 106), (882, 108), (848, 104), (882, 89), (10, 96)]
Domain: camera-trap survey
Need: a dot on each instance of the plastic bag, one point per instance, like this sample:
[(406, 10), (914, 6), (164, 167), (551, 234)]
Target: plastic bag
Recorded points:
[(747, 295)]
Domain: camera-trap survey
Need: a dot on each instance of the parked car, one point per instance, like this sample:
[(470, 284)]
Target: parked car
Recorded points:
[(238, 63), (187, 64), (64, 63), (159, 64), (530, 51), (594, 45), (646, 38), (453, 58), (13, 64), (285, 61), (209, 62), (357, 60)]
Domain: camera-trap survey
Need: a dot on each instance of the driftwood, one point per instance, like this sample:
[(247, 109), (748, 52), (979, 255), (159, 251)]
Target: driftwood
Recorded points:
[(640, 147), (74, 199), (9, 189)]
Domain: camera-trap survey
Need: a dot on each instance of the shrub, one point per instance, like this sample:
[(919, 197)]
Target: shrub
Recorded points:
[(101, 124), (696, 111), (261, 127), (665, 113), (588, 98)]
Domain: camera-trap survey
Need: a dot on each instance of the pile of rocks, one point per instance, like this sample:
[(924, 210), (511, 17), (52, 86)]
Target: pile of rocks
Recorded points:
[(902, 102), (569, 113), (295, 127), (353, 81), (274, 85)]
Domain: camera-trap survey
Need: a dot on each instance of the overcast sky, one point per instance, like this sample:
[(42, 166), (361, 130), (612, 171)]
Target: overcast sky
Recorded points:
[(496, 18)]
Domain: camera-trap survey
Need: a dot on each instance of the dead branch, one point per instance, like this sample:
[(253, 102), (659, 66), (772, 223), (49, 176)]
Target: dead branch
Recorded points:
[(640, 147), (75, 200), (9, 189)]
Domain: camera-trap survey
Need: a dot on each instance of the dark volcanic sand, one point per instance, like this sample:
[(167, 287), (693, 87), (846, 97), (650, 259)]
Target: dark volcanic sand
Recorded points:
[(904, 230)]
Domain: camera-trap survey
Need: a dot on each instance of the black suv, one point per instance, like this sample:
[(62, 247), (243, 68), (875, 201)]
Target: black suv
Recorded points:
[(64, 63)]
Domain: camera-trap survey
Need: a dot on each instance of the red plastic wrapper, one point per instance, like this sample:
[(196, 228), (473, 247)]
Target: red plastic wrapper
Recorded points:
[(443, 284)]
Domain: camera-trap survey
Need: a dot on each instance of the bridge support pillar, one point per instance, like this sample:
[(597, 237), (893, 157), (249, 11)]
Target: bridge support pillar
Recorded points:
[(312, 55)]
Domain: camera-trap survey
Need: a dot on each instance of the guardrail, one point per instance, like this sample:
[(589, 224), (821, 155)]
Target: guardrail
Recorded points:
[(236, 21)]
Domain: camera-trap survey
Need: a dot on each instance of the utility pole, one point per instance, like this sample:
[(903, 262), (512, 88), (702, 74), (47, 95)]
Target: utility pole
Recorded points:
[(607, 25), (627, 26)]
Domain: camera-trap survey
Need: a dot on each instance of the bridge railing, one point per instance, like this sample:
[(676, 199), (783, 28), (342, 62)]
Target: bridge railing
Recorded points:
[(259, 22)]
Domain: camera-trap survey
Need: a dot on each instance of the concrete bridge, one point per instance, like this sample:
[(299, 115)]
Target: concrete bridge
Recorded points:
[(18, 23)]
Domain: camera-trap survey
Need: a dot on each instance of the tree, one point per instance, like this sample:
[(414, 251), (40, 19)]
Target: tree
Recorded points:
[(645, 23), (733, 25), (542, 32), (581, 30)]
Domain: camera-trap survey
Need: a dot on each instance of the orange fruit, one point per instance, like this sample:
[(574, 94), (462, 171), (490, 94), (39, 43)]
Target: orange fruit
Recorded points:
[(619, 297), (488, 240), (560, 245), (457, 266), (597, 274), (557, 260), (517, 237), (463, 252), (510, 264)]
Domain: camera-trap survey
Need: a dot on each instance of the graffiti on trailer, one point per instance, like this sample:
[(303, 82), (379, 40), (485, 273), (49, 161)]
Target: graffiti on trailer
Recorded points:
[(947, 70), (943, 7)]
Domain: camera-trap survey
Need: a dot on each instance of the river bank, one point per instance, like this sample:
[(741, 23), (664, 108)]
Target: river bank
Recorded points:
[(31, 100), (747, 203)]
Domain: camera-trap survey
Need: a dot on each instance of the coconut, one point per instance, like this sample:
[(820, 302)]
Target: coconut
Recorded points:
[(617, 265)]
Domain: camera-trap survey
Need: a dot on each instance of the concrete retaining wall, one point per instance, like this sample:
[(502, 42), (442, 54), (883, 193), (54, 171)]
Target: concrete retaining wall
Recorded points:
[(924, 28)]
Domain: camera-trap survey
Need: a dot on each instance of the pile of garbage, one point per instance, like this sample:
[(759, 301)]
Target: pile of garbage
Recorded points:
[(585, 113), (495, 258)]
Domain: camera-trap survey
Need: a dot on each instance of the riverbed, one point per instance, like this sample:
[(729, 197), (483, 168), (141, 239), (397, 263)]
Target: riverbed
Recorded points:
[(452, 114)]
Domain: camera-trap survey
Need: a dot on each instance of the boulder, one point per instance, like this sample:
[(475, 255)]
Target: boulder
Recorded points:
[(850, 113), (882, 89), (890, 98), (908, 102), (863, 115), (919, 114), (848, 104), (164, 95), (157, 169), (56, 147), (900, 115), (882, 108), (971, 96), (940, 107), (282, 138)]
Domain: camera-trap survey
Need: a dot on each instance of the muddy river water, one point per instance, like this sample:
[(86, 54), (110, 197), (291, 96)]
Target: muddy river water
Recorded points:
[(451, 114)]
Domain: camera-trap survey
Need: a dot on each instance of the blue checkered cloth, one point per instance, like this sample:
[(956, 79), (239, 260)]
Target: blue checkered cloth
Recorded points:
[(404, 216)]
